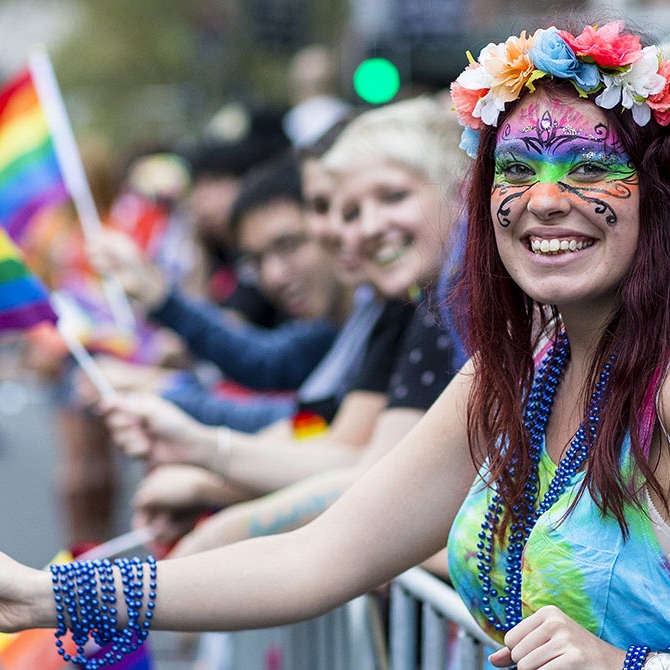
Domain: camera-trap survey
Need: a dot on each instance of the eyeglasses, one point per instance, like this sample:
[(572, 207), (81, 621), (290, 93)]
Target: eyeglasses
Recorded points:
[(284, 248)]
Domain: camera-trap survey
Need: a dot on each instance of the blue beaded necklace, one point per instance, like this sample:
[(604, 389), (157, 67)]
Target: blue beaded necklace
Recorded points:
[(536, 417)]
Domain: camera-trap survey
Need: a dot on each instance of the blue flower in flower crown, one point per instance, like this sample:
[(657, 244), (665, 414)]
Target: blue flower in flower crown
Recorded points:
[(469, 141), (552, 54)]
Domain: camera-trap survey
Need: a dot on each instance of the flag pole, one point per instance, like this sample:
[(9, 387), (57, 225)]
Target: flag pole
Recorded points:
[(74, 174), (86, 362)]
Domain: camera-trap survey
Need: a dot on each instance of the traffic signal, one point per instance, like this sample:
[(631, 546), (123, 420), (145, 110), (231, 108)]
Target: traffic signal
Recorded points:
[(376, 80)]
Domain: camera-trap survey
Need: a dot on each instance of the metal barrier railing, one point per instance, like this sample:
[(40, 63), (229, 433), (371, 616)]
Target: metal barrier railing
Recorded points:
[(428, 628), (431, 629), (347, 638)]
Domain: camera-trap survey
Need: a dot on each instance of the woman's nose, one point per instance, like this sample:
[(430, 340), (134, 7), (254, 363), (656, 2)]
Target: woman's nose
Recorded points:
[(548, 200)]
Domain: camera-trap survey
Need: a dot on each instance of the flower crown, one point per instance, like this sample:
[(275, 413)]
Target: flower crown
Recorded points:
[(601, 60)]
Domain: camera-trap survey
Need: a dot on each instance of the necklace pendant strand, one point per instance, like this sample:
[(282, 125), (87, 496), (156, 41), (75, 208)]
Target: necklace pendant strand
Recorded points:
[(525, 516)]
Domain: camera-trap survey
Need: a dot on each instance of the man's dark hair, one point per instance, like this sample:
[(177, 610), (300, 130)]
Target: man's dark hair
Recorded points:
[(277, 180)]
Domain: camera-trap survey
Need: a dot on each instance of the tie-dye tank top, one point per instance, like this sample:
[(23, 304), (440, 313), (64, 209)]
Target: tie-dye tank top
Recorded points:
[(618, 589)]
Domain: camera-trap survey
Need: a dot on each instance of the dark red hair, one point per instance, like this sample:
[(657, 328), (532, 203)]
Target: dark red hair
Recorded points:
[(502, 324)]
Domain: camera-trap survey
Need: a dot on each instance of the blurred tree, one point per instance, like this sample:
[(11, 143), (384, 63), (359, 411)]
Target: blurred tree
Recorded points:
[(156, 71)]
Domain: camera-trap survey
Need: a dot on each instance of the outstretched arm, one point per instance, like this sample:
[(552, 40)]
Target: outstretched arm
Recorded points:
[(295, 505), (416, 490)]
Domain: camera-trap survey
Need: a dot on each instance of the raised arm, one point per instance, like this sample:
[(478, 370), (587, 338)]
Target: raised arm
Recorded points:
[(254, 356)]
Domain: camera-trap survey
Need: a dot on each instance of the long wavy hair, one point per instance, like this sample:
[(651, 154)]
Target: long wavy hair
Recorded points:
[(502, 325)]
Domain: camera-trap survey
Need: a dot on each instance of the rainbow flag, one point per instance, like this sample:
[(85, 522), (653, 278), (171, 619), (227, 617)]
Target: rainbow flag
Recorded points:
[(24, 301), (30, 176)]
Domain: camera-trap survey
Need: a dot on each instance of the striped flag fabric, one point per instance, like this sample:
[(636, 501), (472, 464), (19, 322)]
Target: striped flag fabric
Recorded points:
[(30, 176), (24, 300)]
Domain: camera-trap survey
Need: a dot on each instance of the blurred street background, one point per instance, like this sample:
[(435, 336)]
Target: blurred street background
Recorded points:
[(157, 71)]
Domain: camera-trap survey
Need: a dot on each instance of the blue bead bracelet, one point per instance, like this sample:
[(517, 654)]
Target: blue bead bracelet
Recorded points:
[(86, 602)]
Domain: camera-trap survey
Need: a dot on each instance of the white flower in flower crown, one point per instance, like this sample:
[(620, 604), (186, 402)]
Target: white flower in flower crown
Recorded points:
[(633, 86), (475, 77), (488, 109)]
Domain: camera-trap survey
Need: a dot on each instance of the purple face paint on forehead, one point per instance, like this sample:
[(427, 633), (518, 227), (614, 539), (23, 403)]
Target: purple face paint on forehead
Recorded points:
[(559, 128)]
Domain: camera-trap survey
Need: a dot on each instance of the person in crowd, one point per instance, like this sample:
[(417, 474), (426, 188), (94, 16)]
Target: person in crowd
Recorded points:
[(390, 197), (55, 245), (314, 94), (397, 212), (294, 272), (545, 463), (245, 138)]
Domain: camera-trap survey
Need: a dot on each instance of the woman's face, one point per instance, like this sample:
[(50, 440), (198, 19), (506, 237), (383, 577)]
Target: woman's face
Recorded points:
[(318, 187), (564, 203), (390, 217)]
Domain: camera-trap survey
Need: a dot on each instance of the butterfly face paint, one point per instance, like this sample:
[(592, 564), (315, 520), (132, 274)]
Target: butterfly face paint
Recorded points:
[(559, 145)]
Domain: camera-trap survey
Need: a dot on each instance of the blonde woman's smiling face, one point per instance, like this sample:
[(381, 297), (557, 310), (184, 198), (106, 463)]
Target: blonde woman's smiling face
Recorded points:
[(565, 202), (390, 217)]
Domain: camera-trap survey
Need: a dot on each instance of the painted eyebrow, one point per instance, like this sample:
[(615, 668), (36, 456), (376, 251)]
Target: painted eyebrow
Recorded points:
[(575, 146)]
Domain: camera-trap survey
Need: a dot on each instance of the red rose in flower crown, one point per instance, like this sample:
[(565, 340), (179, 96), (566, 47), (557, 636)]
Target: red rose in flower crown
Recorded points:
[(606, 45)]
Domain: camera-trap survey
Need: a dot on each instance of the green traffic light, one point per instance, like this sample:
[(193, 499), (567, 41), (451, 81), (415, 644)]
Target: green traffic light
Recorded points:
[(376, 80)]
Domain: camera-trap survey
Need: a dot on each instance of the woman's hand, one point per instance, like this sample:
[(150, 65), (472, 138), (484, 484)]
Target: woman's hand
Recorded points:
[(26, 597), (551, 640), (114, 253), (147, 426)]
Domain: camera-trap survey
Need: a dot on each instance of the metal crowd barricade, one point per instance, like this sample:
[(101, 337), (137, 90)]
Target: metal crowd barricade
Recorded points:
[(431, 629), (428, 628), (347, 638)]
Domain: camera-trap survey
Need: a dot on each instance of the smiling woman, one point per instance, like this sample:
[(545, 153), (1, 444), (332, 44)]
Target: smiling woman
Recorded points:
[(396, 198)]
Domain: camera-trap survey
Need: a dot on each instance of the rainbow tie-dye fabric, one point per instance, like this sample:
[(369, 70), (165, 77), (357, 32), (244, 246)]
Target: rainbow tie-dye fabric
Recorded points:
[(619, 589)]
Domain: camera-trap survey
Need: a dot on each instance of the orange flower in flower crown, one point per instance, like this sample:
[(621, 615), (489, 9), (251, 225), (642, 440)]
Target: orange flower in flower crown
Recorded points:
[(510, 66)]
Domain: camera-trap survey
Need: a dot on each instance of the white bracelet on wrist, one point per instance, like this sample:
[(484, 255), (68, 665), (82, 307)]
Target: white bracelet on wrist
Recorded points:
[(658, 660)]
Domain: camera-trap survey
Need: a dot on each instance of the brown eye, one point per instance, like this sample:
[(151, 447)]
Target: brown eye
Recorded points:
[(318, 205), (515, 171), (350, 214), (589, 171)]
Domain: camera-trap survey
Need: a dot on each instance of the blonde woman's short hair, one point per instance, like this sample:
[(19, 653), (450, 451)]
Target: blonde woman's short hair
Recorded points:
[(420, 134)]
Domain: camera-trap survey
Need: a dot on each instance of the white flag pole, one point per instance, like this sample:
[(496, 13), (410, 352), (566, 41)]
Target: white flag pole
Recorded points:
[(119, 544), (68, 328), (74, 174)]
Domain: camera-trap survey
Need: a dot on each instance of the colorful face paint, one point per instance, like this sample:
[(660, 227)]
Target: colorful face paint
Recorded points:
[(565, 204), (561, 146)]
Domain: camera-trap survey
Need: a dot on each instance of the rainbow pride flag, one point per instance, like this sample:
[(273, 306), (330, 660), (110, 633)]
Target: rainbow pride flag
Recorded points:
[(24, 301), (30, 176)]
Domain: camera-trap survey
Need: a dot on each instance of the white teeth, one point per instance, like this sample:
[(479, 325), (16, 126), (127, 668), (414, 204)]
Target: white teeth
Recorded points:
[(556, 246)]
